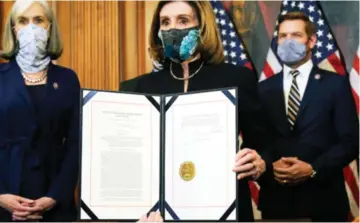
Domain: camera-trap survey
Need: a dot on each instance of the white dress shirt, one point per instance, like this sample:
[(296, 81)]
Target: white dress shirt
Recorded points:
[(301, 79)]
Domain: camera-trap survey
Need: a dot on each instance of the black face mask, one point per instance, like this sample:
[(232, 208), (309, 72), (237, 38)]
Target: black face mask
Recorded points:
[(179, 44)]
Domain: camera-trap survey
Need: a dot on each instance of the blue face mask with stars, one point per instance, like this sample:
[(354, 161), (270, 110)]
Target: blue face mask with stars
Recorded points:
[(179, 44)]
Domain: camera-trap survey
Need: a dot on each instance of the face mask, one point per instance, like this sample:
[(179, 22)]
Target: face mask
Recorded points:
[(179, 44), (291, 51), (32, 55)]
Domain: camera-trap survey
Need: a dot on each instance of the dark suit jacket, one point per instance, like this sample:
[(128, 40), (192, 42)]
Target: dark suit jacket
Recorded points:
[(56, 151), (209, 77), (325, 135)]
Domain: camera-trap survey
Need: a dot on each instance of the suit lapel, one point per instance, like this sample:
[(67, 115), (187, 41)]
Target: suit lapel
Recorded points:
[(51, 84), (279, 104), (310, 91), (17, 81)]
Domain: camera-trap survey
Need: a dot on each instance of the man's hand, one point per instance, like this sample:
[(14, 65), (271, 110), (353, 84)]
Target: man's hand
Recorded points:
[(280, 163), (291, 170), (249, 163)]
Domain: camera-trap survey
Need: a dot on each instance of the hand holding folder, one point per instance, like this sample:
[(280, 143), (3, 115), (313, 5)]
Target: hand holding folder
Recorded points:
[(142, 153)]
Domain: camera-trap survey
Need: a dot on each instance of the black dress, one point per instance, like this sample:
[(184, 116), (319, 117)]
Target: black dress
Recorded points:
[(37, 94), (213, 76)]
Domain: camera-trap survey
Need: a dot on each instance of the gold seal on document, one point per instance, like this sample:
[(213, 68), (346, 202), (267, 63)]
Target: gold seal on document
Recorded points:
[(187, 171)]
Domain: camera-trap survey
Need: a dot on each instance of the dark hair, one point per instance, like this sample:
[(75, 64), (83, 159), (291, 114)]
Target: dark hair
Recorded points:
[(309, 26)]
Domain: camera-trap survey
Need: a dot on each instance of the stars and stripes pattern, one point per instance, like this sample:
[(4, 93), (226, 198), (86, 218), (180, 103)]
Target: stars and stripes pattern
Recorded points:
[(235, 53), (326, 55), (355, 79), (351, 171)]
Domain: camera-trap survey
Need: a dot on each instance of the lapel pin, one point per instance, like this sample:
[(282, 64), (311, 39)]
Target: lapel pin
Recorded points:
[(56, 86), (317, 76)]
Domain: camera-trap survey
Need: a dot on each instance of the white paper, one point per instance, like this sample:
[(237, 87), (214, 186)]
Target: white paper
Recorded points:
[(120, 155), (201, 128)]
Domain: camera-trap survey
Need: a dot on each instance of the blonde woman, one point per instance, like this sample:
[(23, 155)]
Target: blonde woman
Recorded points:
[(39, 119)]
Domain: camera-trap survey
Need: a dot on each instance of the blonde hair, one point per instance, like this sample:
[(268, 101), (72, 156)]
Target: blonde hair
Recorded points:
[(9, 41), (210, 47)]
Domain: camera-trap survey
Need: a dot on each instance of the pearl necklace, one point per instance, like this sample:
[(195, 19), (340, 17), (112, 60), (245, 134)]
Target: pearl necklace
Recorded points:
[(190, 76), (36, 80)]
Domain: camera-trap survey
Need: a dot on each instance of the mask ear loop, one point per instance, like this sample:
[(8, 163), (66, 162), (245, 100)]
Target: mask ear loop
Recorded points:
[(201, 43), (15, 30), (159, 35), (16, 46), (48, 28)]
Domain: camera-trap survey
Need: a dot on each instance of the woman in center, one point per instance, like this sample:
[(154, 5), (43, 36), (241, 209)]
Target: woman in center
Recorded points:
[(185, 40)]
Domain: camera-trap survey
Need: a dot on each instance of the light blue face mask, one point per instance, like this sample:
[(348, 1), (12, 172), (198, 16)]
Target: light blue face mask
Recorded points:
[(32, 55), (291, 51)]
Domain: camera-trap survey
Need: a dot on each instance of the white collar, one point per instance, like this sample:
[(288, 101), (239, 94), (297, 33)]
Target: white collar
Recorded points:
[(304, 69)]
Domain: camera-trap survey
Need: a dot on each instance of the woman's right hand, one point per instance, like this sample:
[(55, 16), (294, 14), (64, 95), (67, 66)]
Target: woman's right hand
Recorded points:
[(153, 217), (249, 163), (16, 204)]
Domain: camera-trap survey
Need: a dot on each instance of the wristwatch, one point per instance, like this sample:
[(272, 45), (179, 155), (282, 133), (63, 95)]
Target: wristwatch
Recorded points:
[(313, 174)]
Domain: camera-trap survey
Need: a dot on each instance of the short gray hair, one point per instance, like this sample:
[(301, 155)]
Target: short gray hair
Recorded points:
[(10, 45)]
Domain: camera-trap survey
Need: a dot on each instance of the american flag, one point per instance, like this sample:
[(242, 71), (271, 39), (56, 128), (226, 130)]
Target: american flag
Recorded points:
[(351, 172), (234, 51), (355, 79), (236, 54), (326, 55)]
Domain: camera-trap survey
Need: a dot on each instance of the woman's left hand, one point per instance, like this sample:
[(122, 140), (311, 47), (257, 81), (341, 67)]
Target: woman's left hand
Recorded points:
[(249, 163), (43, 204)]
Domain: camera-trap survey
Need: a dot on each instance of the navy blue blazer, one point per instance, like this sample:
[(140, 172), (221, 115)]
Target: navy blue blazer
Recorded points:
[(325, 135), (57, 149)]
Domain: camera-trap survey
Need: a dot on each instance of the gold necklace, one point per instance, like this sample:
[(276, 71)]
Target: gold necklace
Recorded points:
[(179, 78)]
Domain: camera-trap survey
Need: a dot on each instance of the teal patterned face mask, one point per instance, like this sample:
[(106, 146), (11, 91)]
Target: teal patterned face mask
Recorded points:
[(179, 44)]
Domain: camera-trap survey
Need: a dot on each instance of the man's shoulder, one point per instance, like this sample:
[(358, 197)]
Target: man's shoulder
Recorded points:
[(331, 78), (329, 74)]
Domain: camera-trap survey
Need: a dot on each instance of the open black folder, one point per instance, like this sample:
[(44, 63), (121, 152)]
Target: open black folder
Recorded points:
[(171, 153)]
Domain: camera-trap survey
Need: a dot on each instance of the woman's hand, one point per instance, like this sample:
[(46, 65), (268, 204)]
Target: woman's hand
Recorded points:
[(41, 205), (44, 203), (153, 217), (249, 163), (20, 207)]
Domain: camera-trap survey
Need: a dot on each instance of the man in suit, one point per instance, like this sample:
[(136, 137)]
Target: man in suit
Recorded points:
[(314, 132)]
